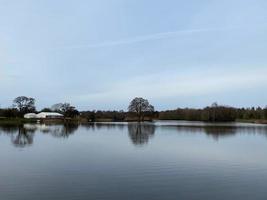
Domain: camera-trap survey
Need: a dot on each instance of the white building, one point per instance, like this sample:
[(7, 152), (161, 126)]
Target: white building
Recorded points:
[(49, 115), (30, 116), (43, 115)]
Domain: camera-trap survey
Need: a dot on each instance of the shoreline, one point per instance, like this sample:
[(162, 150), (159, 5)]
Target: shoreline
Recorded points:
[(253, 121), (21, 121)]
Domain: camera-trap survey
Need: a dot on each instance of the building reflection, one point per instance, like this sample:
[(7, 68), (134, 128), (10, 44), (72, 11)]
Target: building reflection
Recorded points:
[(56, 130), (61, 131)]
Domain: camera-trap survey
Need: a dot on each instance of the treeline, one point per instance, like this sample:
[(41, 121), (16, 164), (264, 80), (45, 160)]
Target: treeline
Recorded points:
[(215, 113), (10, 113), (121, 115), (104, 115), (139, 110)]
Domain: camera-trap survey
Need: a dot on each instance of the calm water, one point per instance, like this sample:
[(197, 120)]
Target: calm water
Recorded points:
[(161, 160)]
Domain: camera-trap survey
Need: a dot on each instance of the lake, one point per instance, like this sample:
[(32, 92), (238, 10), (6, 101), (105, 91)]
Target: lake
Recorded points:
[(160, 160)]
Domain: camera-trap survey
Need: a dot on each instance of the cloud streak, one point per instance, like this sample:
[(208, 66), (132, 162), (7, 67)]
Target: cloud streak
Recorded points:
[(151, 37)]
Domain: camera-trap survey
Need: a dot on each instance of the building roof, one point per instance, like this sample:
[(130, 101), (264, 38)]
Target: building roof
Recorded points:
[(30, 115), (45, 114)]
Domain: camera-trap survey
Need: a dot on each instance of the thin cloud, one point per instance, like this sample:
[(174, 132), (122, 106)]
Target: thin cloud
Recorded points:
[(140, 39), (162, 35), (183, 85)]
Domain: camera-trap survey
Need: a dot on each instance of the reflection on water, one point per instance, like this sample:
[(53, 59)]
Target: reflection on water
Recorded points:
[(139, 133), (172, 160), (23, 138), (104, 126), (220, 132), (8, 129), (20, 136), (61, 131)]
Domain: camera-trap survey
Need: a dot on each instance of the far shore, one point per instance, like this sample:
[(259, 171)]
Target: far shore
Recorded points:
[(254, 121), (21, 121)]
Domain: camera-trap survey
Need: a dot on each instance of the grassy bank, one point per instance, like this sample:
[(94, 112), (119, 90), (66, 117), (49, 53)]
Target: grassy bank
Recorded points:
[(15, 121), (253, 121), (19, 121)]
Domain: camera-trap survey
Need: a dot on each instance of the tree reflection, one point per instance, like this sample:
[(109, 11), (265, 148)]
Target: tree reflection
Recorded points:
[(218, 132), (140, 133), (23, 138), (100, 126), (9, 129)]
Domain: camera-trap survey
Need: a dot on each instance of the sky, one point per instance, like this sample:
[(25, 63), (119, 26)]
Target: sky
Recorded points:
[(99, 54)]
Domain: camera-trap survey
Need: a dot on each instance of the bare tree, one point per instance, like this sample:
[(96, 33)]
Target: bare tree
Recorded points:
[(61, 107), (24, 104), (139, 106), (66, 109)]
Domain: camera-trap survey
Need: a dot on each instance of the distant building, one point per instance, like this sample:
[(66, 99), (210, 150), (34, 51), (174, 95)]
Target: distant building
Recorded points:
[(49, 115), (30, 116), (43, 115)]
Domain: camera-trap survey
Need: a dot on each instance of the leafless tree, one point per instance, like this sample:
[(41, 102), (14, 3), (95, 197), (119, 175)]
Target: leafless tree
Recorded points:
[(24, 104), (66, 109), (139, 106), (61, 107)]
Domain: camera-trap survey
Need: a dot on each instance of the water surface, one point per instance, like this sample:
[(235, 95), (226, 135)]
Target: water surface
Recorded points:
[(161, 160)]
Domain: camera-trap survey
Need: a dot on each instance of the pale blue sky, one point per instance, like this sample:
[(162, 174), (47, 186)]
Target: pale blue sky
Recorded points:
[(99, 54)]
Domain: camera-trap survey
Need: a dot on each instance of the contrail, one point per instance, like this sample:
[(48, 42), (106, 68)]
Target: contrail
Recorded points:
[(139, 39)]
